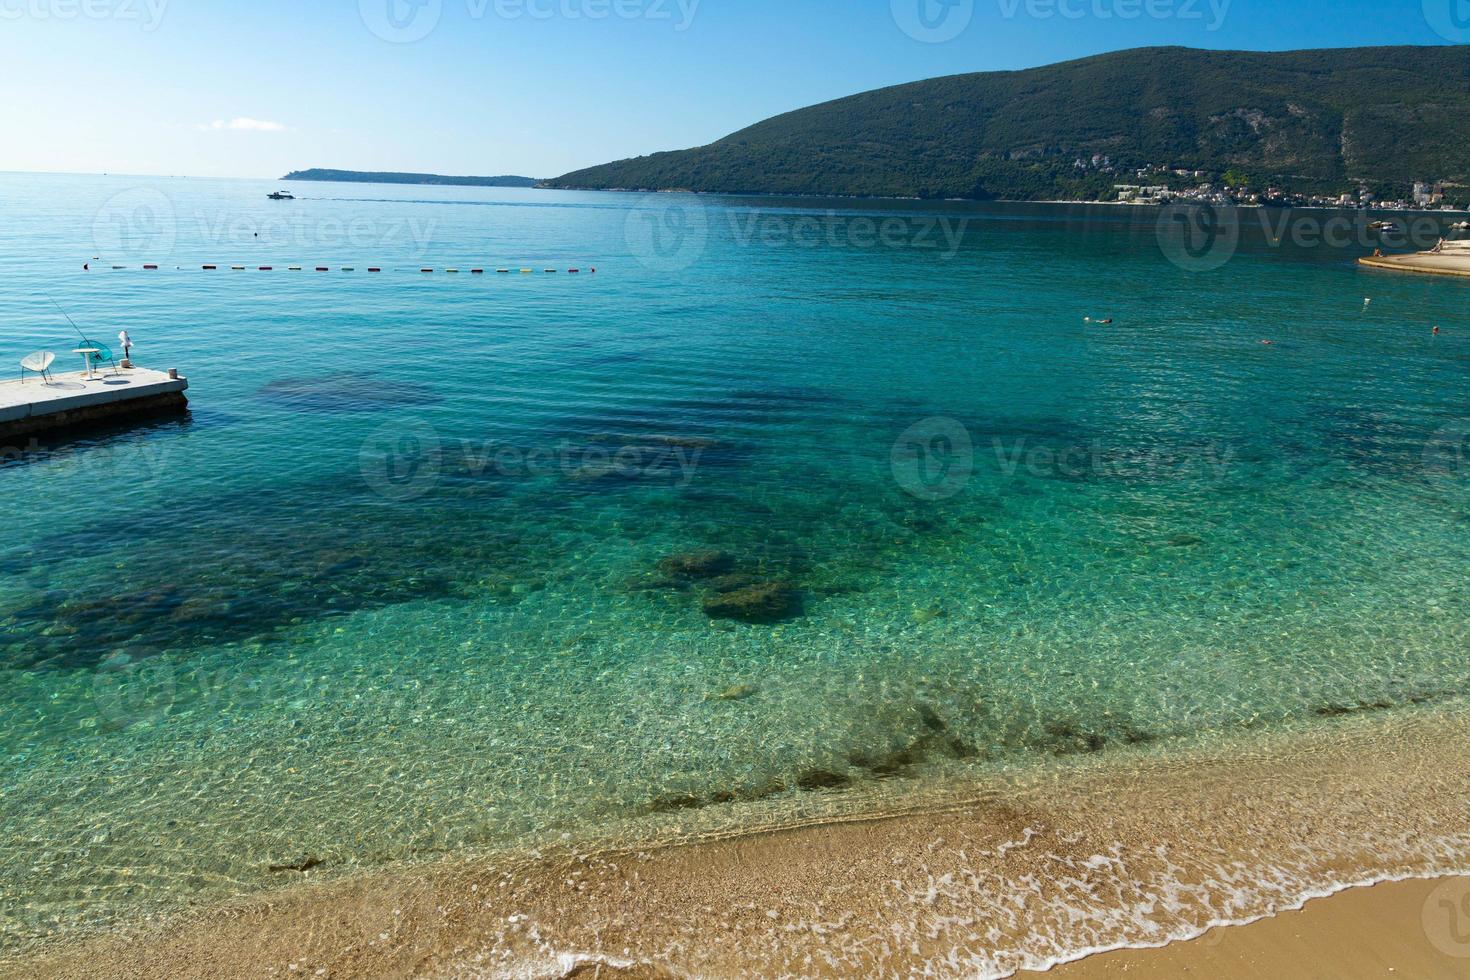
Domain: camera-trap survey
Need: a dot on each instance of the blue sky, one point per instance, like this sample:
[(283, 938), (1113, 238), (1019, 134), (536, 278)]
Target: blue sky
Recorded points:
[(540, 87)]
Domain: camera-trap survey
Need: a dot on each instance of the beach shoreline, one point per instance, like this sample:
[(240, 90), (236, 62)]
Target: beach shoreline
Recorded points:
[(1100, 854)]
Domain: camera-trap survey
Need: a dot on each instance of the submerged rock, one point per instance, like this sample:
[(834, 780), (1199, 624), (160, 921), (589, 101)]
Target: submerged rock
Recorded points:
[(927, 614), (768, 602), (1185, 541), (737, 692), (730, 583), (696, 564)]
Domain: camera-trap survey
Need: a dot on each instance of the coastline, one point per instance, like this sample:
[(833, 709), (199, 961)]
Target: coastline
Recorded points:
[(1097, 854), (1356, 933)]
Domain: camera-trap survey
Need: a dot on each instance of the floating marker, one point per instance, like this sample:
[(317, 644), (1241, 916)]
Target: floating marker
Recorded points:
[(551, 270), (209, 267), (119, 267), (426, 270), (525, 272), (374, 269), (237, 268), (476, 272), (150, 266), (322, 268), (348, 268), (294, 268), (502, 270), (573, 271), (451, 270), (265, 268)]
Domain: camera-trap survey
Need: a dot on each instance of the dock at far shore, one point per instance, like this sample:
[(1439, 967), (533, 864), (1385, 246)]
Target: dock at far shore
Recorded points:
[(73, 400)]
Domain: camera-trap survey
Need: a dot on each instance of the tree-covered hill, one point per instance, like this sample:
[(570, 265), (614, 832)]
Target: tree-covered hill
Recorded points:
[(1317, 118)]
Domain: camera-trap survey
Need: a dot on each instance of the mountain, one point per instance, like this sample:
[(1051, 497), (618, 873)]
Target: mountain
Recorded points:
[(365, 177), (1312, 119)]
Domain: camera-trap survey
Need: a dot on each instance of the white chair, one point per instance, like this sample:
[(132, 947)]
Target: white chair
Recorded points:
[(37, 363)]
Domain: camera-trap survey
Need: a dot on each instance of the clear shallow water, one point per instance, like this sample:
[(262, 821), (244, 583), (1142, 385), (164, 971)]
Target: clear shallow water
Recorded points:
[(394, 587)]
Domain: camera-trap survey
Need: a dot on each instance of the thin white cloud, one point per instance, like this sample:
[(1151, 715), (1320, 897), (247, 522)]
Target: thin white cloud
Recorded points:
[(242, 124)]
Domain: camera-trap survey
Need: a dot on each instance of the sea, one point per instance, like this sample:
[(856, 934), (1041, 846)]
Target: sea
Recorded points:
[(702, 501)]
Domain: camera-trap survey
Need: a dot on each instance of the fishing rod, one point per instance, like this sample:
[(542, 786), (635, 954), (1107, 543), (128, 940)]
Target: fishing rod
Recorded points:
[(68, 317)]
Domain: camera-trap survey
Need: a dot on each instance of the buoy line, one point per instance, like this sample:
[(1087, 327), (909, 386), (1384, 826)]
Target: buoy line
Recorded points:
[(421, 270)]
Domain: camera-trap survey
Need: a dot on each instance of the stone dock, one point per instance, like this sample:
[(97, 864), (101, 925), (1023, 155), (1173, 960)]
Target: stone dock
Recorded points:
[(74, 401), (1446, 263)]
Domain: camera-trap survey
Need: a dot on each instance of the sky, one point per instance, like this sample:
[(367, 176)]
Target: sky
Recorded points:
[(541, 87)]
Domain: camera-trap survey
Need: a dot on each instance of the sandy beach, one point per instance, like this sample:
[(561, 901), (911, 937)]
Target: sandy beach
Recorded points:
[(1100, 854), (1396, 929)]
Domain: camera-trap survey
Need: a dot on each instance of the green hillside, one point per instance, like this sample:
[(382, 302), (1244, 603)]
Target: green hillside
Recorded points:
[(1313, 119)]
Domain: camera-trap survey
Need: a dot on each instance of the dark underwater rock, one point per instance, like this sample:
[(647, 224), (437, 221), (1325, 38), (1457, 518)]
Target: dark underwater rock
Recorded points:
[(768, 602), (696, 564)]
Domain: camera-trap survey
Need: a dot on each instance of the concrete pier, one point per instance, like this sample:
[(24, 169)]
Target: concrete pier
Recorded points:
[(1446, 263), (72, 400)]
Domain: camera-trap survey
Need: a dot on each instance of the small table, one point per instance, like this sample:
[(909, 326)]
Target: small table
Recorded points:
[(87, 353)]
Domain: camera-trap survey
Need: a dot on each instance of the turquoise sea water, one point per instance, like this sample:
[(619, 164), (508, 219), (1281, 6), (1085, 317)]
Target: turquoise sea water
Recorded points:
[(393, 587)]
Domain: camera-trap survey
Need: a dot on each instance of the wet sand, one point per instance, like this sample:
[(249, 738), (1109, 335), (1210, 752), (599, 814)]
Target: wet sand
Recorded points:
[(1098, 852), (1417, 929)]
